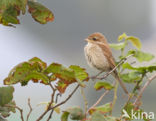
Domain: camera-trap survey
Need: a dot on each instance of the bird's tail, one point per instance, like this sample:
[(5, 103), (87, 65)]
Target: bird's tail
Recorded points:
[(115, 74)]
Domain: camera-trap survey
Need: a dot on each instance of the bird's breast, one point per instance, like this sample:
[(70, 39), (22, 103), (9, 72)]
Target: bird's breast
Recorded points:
[(95, 57)]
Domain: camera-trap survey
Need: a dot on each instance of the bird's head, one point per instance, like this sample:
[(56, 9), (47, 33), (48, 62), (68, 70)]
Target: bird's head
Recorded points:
[(96, 38)]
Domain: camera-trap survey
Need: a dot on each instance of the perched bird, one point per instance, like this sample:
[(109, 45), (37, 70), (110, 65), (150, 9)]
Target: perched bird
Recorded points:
[(99, 55)]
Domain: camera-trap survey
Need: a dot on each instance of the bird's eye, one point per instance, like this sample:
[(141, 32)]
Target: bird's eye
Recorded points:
[(94, 39)]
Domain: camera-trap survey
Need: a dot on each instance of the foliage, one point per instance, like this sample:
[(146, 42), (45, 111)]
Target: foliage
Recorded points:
[(6, 98), (59, 78), (11, 9)]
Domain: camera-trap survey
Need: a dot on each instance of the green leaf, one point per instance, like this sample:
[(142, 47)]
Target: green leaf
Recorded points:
[(67, 76), (61, 72), (39, 61), (97, 116), (118, 46), (138, 112), (64, 116), (110, 118), (61, 86), (131, 77), (135, 41), (10, 9), (39, 12), (121, 37), (6, 111), (75, 113), (80, 74), (141, 56), (26, 71), (101, 84), (103, 108), (2, 118), (143, 69), (6, 95)]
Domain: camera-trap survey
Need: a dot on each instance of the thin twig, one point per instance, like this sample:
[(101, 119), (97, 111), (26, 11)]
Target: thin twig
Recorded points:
[(53, 107), (50, 103), (57, 96), (115, 95), (30, 109), (121, 62), (51, 86), (66, 98), (143, 89), (85, 99), (51, 113), (18, 108), (94, 77), (100, 99)]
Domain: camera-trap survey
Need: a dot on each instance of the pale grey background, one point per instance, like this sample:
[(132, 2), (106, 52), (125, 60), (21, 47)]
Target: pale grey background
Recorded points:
[(62, 41)]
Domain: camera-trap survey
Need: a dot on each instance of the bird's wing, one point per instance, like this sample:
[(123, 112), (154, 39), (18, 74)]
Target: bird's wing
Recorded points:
[(108, 53)]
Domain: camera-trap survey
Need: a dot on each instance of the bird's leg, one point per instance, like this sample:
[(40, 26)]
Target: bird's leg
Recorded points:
[(94, 77)]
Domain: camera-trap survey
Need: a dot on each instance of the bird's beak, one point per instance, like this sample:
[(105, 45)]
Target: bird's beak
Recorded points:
[(87, 40)]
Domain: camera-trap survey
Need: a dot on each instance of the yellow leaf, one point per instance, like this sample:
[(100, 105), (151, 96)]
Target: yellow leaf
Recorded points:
[(57, 110), (135, 41), (121, 37)]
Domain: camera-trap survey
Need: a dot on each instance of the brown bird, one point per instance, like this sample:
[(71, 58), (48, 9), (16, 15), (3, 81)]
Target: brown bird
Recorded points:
[(99, 55)]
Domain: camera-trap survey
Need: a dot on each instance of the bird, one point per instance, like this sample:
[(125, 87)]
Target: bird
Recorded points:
[(98, 55)]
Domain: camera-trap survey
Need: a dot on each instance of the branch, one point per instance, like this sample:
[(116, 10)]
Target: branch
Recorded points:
[(50, 104), (51, 113), (51, 108), (143, 89), (115, 95), (67, 97), (100, 99), (30, 109), (85, 99), (18, 108)]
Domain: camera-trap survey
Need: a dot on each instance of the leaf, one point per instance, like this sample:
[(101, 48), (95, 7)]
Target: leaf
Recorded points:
[(97, 116), (5, 111), (2, 118), (10, 9), (80, 74), (131, 77), (131, 110), (61, 86), (98, 85), (61, 72), (39, 61), (121, 37), (118, 46), (110, 118), (57, 109), (75, 113), (103, 108), (67, 76), (143, 69), (64, 116), (141, 56), (39, 12), (135, 41), (26, 71), (6, 95)]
